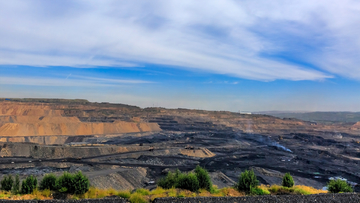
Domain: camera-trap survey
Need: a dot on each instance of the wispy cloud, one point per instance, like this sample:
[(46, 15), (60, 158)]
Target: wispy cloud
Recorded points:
[(253, 39), (73, 81)]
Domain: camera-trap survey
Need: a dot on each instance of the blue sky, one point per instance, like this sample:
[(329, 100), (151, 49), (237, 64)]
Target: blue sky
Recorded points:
[(249, 55)]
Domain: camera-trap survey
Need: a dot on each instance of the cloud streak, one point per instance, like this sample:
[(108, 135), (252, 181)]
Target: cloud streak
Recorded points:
[(245, 39), (73, 81)]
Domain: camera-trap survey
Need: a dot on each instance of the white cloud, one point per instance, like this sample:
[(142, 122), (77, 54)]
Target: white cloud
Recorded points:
[(72, 81), (214, 36)]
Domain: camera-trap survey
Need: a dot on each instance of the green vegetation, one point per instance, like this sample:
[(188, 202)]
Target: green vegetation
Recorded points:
[(288, 180), (190, 184), (137, 198), (336, 186), (204, 179), (29, 185), (187, 181), (124, 194), (7, 183), (247, 180), (81, 183), (49, 182), (16, 185), (170, 180), (65, 183)]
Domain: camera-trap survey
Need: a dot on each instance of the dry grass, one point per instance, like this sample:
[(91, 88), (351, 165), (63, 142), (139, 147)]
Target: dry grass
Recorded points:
[(144, 195), (137, 198), (298, 189), (124, 194), (231, 192), (309, 190)]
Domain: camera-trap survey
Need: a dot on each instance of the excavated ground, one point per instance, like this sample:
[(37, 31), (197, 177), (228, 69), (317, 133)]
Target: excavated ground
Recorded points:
[(224, 143)]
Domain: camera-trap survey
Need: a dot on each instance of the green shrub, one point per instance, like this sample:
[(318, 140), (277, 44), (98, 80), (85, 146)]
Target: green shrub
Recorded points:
[(203, 178), (16, 185), (124, 194), (247, 180), (143, 191), (80, 183), (65, 183), (288, 180), (258, 191), (48, 182), (7, 183), (188, 182), (29, 185), (170, 180), (336, 186), (137, 198)]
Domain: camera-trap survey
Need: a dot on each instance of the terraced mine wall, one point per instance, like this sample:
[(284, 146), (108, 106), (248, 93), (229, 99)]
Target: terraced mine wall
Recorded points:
[(320, 198)]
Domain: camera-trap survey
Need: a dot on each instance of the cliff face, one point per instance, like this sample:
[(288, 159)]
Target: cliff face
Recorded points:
[(18, 119)]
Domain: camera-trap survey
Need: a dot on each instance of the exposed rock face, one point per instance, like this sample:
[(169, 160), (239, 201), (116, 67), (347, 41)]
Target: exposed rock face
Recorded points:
[(18, 119)]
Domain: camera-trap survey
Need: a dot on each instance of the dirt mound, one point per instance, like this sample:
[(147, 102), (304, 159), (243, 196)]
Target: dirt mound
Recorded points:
[(202, 152)]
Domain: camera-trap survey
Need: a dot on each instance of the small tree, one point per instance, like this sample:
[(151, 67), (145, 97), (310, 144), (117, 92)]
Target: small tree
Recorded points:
[(16, 186), (288, 180), (7, 183), (81, 183), (65, 183), (28, 185), (170, 180), (203, 178), (49, 182), (336, 186), (247, 180), (188, 182)]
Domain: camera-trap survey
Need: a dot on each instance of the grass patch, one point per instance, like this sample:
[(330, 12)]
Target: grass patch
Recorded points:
[(157, 191), (143, 191), (231, 192), (46, 193), (137, 198), (124, 194), (298, 189)]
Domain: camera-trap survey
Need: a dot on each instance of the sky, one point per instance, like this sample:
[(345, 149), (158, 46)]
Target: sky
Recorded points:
[(248, 55)]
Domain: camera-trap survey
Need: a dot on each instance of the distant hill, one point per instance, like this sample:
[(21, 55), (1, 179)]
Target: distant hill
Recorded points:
[(320, 117)]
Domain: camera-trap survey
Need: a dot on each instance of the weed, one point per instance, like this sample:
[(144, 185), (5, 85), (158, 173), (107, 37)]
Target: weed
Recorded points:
[(137, 198), (143, 191), (124, 194)]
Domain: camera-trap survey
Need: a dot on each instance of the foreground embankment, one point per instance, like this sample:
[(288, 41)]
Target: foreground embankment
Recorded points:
[(320, 198)]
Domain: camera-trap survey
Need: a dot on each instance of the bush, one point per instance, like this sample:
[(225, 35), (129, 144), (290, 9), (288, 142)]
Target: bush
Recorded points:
[(7, 183), (29, 185), (288, 180), (143, 191), (48, 182), (16, 185), (170, 180), (188, 182), (258, 191), (124, 194), (80, 183), (336, 186), (65, 183), (203, 178), (137, 198), (247, 180)]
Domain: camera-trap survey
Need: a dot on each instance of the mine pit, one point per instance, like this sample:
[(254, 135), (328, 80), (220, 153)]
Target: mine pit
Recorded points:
[(127, 147)]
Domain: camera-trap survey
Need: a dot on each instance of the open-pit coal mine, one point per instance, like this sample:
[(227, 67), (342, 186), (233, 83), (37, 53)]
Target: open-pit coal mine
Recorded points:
[(127, 147)]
